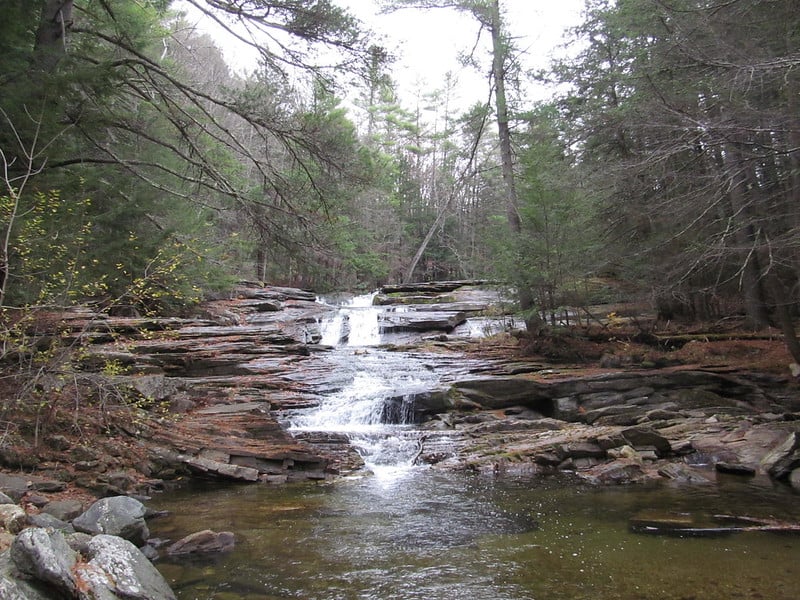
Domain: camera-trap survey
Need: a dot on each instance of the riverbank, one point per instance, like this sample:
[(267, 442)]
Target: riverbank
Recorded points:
[(207, 396)]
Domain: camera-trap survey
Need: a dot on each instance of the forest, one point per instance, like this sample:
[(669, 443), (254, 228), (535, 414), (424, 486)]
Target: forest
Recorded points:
[(141, 174)]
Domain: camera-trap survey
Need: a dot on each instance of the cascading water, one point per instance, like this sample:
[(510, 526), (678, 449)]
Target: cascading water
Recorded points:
[(374, 408)]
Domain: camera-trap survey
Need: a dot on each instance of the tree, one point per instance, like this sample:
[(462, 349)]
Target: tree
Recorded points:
[(683, 114), (95, 90), (489, 16)]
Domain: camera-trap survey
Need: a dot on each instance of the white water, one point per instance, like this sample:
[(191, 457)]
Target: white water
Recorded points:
[(377, 377), (356, 322)]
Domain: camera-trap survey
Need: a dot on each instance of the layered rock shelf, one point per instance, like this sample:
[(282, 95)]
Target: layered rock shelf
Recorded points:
[(223, 381)]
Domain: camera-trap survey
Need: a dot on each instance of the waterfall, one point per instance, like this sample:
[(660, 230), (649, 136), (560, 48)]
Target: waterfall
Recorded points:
[(355, 324), (374, 408)]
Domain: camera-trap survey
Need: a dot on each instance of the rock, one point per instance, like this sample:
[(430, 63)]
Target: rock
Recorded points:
[(120, 480), (731, 468), (64, 510), (683, 474), (507, 392), (14, 486), (5, 499), (203, 542), (119, 515), (577, 450), (36, 500), (78, 541), (784, 458), (13, 518), (44, 555), (117, 569), (45, 520), (12, 588), (646, 436), (153, 387), (58, 442), (614, 415), (618, 472), (420, 321), (223, 469), (625, 452), (794, 479)]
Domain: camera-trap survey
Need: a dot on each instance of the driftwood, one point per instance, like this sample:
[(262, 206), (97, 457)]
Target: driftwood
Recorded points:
[(686, 525)]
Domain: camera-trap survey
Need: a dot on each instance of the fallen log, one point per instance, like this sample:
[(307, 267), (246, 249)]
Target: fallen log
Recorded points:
[(687, 525)]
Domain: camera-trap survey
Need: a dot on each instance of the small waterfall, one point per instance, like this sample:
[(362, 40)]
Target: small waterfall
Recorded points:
[(355, 324), (375, 407)]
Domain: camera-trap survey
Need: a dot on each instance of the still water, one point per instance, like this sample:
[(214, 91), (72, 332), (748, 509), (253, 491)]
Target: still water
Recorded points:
[(432, 535), (407, 532)]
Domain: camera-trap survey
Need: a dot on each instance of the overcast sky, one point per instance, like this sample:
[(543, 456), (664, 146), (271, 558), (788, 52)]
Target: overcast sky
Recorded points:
[(427, 43)]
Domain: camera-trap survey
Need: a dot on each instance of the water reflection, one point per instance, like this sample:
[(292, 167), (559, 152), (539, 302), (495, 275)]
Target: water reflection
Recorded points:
[(432, 535)]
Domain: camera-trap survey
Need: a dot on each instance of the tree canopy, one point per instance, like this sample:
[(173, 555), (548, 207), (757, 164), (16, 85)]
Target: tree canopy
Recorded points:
[(139, 170)]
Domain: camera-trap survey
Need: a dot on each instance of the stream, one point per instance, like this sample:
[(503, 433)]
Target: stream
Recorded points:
[(403, 531)]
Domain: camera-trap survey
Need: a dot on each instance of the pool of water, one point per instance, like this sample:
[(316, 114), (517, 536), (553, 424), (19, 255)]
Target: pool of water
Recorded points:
[(418, 533)]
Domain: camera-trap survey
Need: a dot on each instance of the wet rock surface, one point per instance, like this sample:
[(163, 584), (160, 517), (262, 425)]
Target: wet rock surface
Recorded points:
[(669, 424), (226, 381)]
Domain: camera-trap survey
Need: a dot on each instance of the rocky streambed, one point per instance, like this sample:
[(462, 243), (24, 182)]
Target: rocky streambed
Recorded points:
[(211, 397)]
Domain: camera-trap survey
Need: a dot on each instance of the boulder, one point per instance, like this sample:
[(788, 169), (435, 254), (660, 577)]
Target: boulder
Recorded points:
[(681, 473), (13, 518), (117, 569), (203, 542), (43, 554), (119, 515), (420, 321), (45, 520), (507, 392), (646, 436), (794, 479), (14, 486), (784, 458), (618, 472), (64, 510), (12, 588)]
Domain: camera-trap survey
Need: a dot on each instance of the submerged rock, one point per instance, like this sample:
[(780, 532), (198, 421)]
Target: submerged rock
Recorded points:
[(203, 542)]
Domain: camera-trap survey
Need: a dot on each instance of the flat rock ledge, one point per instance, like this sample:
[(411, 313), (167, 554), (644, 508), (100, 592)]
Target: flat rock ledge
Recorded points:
[(689, 426), (225, 378)]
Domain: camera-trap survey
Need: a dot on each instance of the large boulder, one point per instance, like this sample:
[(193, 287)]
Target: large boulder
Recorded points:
[(119, 515), (44, 554), (420, 321), (118, 569), (12, 588), (505, 392), (639, 437)]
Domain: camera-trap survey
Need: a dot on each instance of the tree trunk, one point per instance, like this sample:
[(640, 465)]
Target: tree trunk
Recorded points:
[(533, 321), (746, 238), (51, 35), (782, 304), (423, 246)]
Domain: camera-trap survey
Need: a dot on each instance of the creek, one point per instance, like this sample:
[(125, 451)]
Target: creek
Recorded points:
[(402, 531)]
